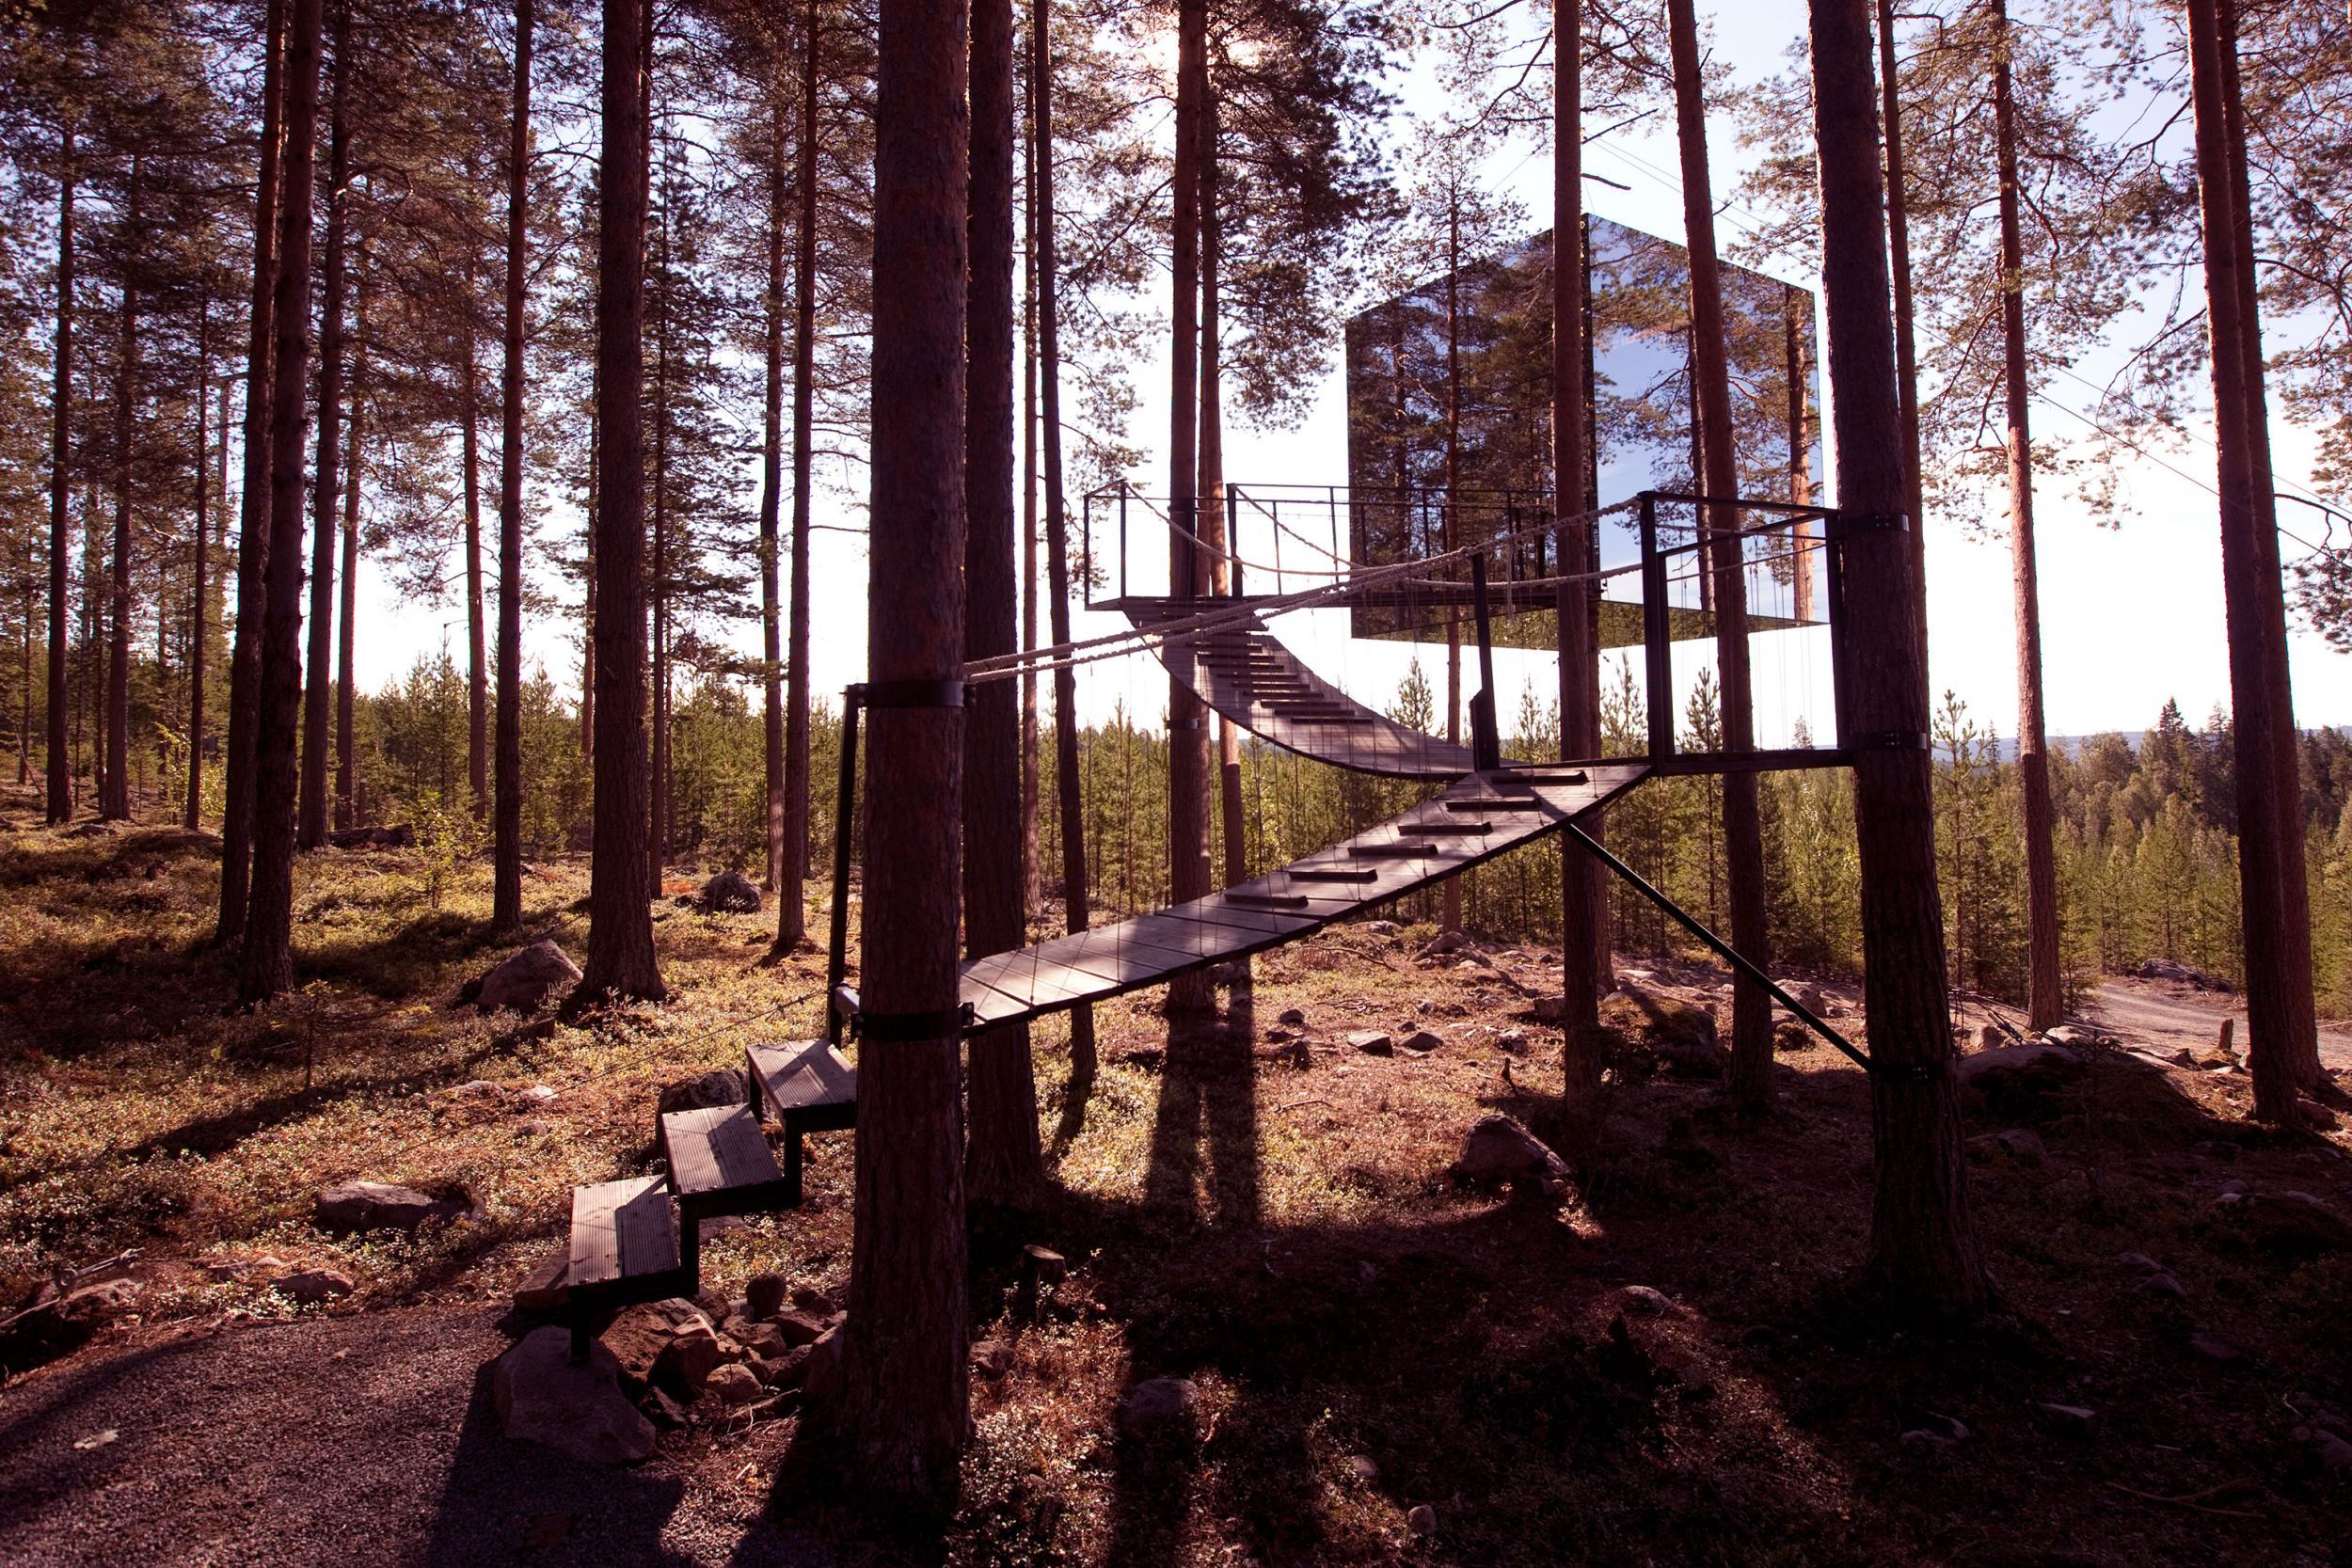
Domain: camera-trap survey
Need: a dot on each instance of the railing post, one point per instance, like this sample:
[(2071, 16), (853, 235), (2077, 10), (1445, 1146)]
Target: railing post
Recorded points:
[(1657, 642), (1232, 538), (845, 817)]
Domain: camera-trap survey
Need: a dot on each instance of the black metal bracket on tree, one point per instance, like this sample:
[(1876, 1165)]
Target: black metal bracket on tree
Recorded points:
[(843, 826), (939, 693), (1485, 737), (1722, 949), (946, 1023), (1838, 527), (1890, 740)]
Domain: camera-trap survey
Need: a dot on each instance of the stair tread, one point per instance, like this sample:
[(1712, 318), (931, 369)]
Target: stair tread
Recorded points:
[(719, 1161), (623, 1231), (802, 1079)]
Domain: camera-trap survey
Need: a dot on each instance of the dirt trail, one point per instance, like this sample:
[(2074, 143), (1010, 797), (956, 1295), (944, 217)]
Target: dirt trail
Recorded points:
[(2167, 1014)]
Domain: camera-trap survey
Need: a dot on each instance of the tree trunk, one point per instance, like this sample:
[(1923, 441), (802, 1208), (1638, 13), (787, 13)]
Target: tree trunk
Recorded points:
[(470, 461), (791, 893), (506, 857), (1031, 892), (1004, 1165), (1906, 351), (771, 505), (1800, 451), (1743, 832), (658, 835), (1450, 906), (1187, 749), (1583, 916), (114, 786), (199, 616), (2302, 1027), (317, 698), (621, 956), (2045, 983), (241, 765), (265, 964), (903, 1411), (2269, 798), (347, 616), (1211, 481), (1069, 786), (1923, 1248)]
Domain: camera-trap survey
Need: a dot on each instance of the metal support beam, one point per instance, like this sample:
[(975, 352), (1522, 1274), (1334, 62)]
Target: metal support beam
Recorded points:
[(844, 821)]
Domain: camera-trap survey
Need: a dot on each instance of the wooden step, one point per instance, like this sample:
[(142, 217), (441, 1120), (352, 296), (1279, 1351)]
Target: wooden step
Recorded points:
[(720, 1164), (625, 1241), (1400, 851), (1453, 828), (1525, 804), (807, 1086), (1268, 900), (1331, 874)]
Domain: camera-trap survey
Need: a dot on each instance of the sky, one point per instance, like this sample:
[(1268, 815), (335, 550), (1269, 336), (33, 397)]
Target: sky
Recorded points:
[(2132, 613)]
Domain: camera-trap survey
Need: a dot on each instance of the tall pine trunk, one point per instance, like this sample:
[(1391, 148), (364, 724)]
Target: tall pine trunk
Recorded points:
[(1743, 832), (1923, 1248), (1187, 749), (59, 758), (1906, 350), (902, 1411), (1070, 801), (791, 891), (2045, 981), (506, 824), (1004, 1166), (199, 589), (1792, 326), (1584, 924), (242, 764), (347, 611), (1212, 481), (1449, 905), (318, 693), (2270, 861), (265, 964), (469, 464), (113, 785), (771, 505), (621, 958), (1031, 892)]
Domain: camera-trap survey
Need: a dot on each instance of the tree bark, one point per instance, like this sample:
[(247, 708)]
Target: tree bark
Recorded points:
[(772, 504), (199, 616), (1800, 451), (903, 1407), (1187, 750), (658, 835), (1070, 799), (347, 613), (621, 956), (1923, 1247), (317, 698), (470, 461), (1743, 832), (265, 964), (2269, 797), (1583, 916), (1449, 903), (2045, 979), (1004, 1164), (58, 760), (241, 765), (114, 783), (1031, 892), (791, 891), (506, 827), (1211, 481), (2296, 949), (1906, 350)]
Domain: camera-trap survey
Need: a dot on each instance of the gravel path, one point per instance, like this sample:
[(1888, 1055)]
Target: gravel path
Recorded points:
[(343, 1442), (2162, 1013)]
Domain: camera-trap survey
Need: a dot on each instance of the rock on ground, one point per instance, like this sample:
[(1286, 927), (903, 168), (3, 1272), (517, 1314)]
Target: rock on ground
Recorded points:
[(542, 1396), (1158, 1409), (723, 1085), (730, 893), (525, 980), (1681, 1033), (313, 1285), (351, 1207), (1500, 1151), (52, 1327), (2017, 1076)]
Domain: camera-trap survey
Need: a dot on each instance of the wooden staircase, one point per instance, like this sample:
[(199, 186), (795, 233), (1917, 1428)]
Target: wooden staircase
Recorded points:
[(640, 1238)]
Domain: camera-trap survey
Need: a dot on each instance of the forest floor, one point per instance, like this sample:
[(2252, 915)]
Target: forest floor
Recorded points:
[(1366, 1338)]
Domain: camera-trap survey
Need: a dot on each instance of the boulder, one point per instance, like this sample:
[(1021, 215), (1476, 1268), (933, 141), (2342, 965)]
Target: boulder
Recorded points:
[(1423, 1041), (1680, 1034), (1158, 1409), (2019, 1145), (820, 1368), (799, 1328), (1373, 1042), (542, 1396), (723, 1085), (1551, 1009), (758, 1339), (763, 1296), (730, 893), (2017, 1076), (546, 1287), (2165, 969), (736, 1385), (1294, 1017), (525, 980), (353, 1207), (992, 1358), (1422, 1519), (1640, 1301), (2215, 1347), (643, 1340), (2073, 1420), (1444, 944), (1499, 1151), (2162, 1284), (2072, 1034), (1512, 1041), (54, 1327), (2292, 1222), (312, 1287)]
